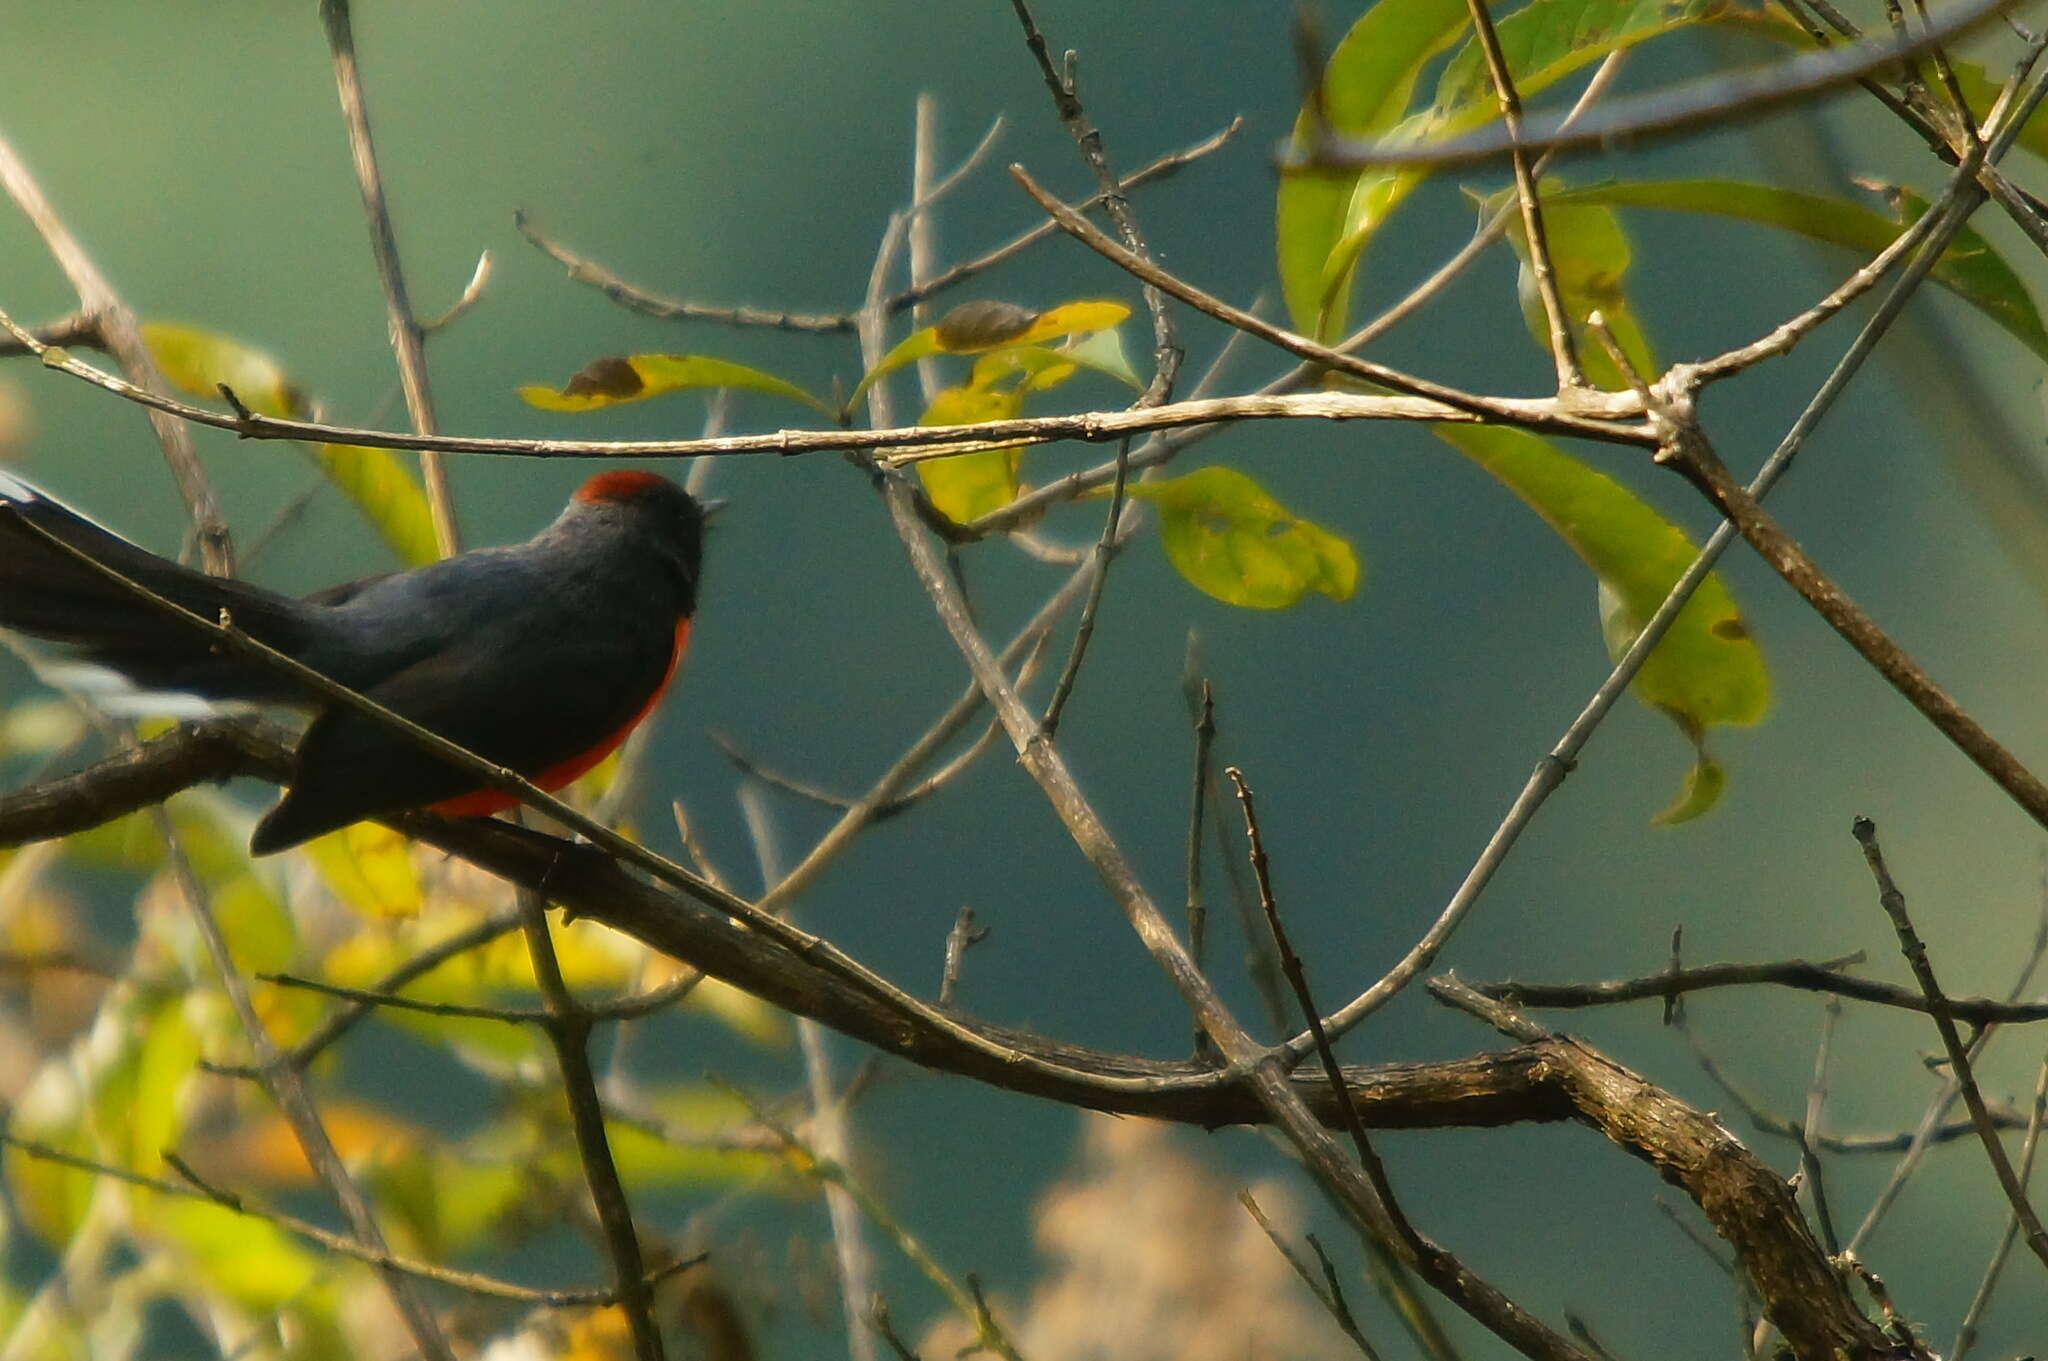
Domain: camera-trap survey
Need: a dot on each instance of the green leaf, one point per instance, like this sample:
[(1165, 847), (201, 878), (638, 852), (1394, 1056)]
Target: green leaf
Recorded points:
[(1969, 268), (986, 324), (1548, 39), (1590, 255), (1103, 351), (621, 378), (1544, 41), (1366, 86), (1232, 540), (1708, 670), (387, 494), (200, 361), (967, 486)]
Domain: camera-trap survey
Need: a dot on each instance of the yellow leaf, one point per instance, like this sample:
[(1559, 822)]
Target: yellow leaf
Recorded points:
[(200, 362), (370, 868), (1232, 540), (636, 377), (969, 485), (987, 324)]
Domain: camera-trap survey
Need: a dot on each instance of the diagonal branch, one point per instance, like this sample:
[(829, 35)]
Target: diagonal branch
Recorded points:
[(1066, 98), (1894, 904), (1562, 348), (408, 338), (113, 325)]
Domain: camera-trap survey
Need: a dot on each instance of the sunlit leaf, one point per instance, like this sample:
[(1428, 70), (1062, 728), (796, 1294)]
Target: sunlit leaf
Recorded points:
[(260, 931), (621, 378), (115, 1097), (986, 324), (1708, 670), (387, 494), (1103, 351), (1544, 41), (369, 866), (200, 361), (969, 485), (246, 1259), (1970, 267), (1366, 88), (1590, 257), (1230, 539)]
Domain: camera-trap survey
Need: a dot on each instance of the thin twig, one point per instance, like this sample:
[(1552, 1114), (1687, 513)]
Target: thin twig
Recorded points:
[(1563, 350), (408, 339), (586, 271), (286, 1087), (1810, 1129), (1325, 1291), (568, 1030), (963, 937), (1066, 98), (924, 228), (1822, 976), (472, 293), (964, 1296), (316, 1042), (853, 1261), (116, 328), (1894, 904), (1202, 699), (1966, 1332), (195, 1187), (1098, 562)]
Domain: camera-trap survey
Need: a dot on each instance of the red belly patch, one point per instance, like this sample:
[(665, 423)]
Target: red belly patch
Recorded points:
[(484, 802)]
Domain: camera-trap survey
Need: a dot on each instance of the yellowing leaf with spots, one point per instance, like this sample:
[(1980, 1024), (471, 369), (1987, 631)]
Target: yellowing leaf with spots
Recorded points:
[(974, 327), (1231, 539), (1708, 670), (636, 377)]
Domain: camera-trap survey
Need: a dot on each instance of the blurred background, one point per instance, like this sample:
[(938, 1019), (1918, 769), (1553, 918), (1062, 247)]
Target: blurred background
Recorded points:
[(752, 154)]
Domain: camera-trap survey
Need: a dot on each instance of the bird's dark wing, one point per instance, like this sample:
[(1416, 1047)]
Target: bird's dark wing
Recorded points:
[(530, 704)]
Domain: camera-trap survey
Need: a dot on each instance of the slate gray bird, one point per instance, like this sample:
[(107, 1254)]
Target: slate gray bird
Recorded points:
[(540, 656)]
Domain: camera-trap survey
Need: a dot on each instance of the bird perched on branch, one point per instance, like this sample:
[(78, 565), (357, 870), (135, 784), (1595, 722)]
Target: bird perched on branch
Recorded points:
[(540, 656)]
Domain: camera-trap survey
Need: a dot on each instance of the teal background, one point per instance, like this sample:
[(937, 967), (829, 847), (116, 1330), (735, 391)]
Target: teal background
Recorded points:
[(752, 154)]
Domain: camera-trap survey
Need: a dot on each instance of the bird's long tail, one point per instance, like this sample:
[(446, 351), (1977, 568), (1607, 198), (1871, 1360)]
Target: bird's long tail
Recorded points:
[(49, 593)]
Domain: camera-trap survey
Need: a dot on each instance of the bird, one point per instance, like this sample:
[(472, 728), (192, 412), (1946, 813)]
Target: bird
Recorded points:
[(538, 656)]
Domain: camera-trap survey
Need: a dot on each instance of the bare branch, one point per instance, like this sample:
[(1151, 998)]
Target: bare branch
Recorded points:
[(408, 338), (1894, 903), (115, 327)]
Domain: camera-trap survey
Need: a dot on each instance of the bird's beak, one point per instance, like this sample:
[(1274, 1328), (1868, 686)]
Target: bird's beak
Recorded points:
[(712, 506)]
